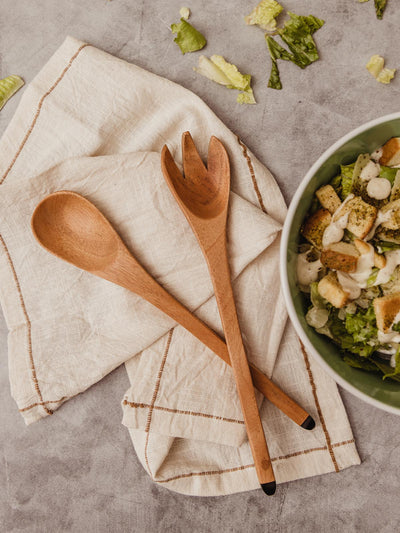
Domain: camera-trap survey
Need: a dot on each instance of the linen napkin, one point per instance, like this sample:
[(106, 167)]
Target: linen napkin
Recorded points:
[(96, 125)]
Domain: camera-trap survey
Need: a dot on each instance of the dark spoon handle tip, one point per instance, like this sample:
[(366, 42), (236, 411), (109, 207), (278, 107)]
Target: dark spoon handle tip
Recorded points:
[(309, 423), (269, 488)]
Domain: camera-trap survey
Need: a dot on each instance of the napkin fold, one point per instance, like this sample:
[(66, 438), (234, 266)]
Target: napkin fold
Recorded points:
[(96, 125)]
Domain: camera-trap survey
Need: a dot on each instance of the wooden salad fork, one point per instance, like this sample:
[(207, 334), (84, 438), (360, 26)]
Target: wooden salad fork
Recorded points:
[(69, 226), (203, 196)]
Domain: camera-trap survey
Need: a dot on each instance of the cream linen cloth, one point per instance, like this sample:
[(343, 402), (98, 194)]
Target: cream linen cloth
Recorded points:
[(96, 125)]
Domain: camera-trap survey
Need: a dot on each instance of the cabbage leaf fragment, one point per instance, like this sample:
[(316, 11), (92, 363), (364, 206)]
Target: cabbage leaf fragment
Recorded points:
[(8, 87), (264, 15), (187, 37), (227, 74), (376, 67)]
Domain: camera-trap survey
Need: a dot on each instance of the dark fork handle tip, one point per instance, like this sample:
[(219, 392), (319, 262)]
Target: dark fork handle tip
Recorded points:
[(269, 488), (309, 423)]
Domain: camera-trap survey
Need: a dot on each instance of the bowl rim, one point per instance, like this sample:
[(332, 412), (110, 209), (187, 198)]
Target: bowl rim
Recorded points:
[(283, 262)]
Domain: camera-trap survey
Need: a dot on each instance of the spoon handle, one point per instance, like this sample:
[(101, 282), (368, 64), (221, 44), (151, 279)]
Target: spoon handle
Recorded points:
[(217, 259), (155, 294)]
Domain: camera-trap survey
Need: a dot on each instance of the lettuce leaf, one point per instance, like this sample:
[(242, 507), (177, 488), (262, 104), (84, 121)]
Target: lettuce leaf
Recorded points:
[(227, 74), (184, 12), (376, 67), (346, 172), (380, 6), (388, 173), (384, 246), (8, 87), (187, 37), (387, 370), (386, 75), (297, 34), (276, 51), (264, 15), (357, 334)]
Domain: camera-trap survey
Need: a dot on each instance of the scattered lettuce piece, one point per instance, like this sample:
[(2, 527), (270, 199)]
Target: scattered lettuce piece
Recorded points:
[(376, 67), (184, 12), (187, 37), (224, 73), (246, 98), (380, 6), (264, 15), (297, 34), (8, 87), (208, 69), (386, 75), (236, 79), (276, 51)]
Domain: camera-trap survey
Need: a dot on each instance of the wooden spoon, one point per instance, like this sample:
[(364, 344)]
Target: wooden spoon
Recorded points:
[(203, 196), (72, 228)]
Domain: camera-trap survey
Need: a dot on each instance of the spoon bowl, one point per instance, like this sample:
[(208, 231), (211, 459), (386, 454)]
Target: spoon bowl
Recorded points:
[(72, 228)]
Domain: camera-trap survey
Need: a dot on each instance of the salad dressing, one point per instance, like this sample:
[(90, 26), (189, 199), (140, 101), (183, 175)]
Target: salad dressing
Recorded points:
[(307, 271), (349, 285), (380, 219), (335, 231), (392, 261), (365, 265)]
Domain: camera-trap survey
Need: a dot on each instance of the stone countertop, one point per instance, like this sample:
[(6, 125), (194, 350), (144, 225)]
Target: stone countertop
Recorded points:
[(55, 476)]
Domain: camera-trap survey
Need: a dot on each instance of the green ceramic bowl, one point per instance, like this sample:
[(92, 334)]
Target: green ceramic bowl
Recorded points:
[(367, 386)]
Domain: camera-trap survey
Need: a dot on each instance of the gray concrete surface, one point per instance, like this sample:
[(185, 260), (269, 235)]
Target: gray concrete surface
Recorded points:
[(77, 471)]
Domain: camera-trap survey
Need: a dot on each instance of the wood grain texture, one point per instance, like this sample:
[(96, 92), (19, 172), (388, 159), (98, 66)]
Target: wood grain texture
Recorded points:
[(203, 195)]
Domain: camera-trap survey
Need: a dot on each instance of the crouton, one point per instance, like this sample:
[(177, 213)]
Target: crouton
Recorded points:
[(315, 225), (328, 198), (361, 218), (365, 248), (389, 235), (393, 208), (340, 256), (386, 308), (330, 289), (391, 153)]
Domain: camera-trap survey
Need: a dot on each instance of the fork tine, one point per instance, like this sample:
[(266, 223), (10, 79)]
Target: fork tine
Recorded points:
[(193, 166), (218, 161), (169, 166)]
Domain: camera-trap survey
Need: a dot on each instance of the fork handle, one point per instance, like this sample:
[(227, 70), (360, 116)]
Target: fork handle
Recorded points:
[(217, 259)]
